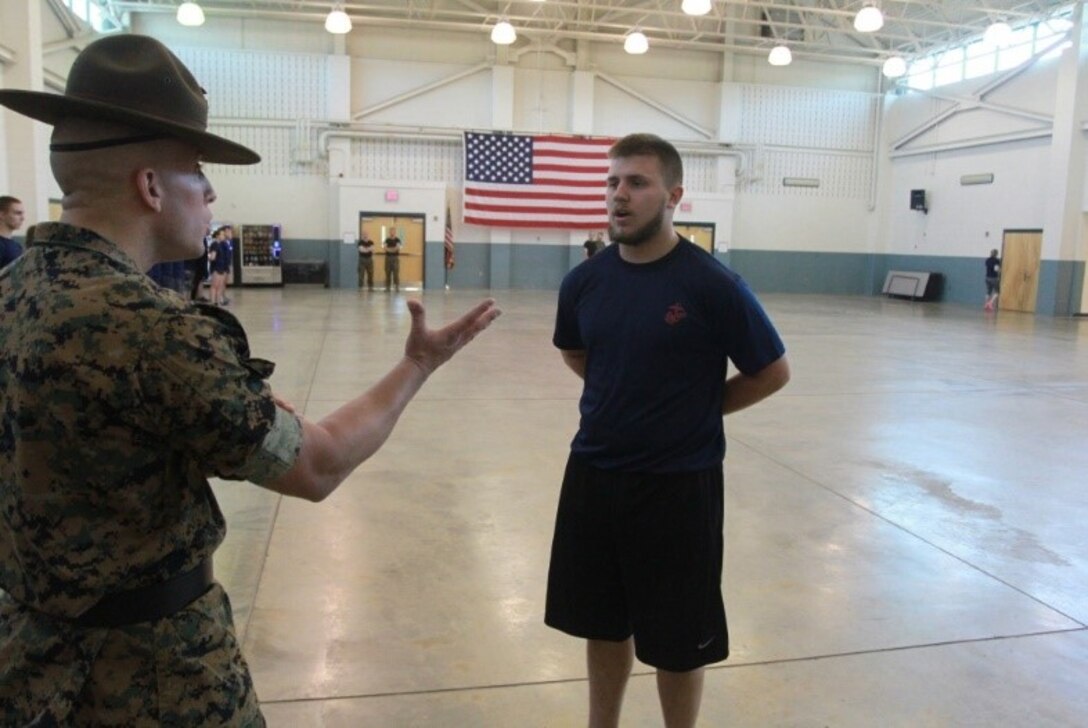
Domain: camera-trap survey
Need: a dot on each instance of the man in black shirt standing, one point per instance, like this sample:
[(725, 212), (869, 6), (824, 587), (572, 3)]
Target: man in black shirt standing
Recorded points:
[(392, 247), (366, 261)]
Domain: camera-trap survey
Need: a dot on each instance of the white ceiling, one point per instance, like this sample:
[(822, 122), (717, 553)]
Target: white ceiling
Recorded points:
[(819, 29)]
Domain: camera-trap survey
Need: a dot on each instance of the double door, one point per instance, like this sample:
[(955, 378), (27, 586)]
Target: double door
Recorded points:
[(410, 230)]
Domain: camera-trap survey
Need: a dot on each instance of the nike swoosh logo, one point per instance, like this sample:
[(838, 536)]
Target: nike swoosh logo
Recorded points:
[(705, 644)]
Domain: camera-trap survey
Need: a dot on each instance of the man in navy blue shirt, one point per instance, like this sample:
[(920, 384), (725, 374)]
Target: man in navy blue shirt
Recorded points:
[(651, 325), (11, 219)]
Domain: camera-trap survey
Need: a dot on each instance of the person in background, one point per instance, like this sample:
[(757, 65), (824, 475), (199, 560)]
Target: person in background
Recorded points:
[(12, 213), (118, 401), (219, 260), (366, 261), (993, 280), (594, 244), (650, 325), (393, 246)]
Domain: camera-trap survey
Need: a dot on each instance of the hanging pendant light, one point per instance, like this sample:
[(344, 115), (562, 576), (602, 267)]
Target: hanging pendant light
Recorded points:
[(869, 19), (190, 14), (695, 7), (780, 55), (894, 67), (503, 33), (636, 43), (337, 21)]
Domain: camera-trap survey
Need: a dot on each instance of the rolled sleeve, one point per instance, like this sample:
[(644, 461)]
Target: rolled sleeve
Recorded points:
[(277, 452), (205, 394)]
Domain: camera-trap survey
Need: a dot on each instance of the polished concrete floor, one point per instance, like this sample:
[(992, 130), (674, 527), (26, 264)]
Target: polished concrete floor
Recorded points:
[(907, 526)]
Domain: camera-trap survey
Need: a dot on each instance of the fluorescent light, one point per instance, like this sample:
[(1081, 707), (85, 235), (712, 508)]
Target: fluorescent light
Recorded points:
[(695, 7), (636, 43), (998, 34), (868, 19), (780, 56), (977, 179), (338, 21), (503, 33), (800, 182), (190, 14), (894, 67)]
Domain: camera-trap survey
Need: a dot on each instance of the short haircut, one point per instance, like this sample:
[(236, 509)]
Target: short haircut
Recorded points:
[(6, 201), (651, 145)]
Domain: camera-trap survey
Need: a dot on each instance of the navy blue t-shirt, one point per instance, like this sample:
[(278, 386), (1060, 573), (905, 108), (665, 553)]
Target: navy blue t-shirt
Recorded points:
[(657, 338), (9, 250)]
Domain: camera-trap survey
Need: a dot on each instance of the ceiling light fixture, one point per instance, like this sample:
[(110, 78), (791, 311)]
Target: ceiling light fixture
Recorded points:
[(895, 67), (780, 56), (998, 34), (337, 21), (695, 7), (636, 43), (190, 14), (503, 33), (869, 19)]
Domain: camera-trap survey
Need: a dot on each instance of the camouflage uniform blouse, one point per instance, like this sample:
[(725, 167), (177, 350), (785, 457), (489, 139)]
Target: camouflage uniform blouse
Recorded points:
[(117, 400)]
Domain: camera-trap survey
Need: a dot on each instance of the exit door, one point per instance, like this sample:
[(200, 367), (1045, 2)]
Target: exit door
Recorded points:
[(1021, 252), (410, 230)]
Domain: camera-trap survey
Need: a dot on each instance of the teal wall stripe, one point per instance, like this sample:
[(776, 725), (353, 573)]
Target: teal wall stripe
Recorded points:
[(503, 266)]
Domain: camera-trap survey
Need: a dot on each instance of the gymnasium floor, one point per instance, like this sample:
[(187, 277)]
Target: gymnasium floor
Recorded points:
[(906, 526)]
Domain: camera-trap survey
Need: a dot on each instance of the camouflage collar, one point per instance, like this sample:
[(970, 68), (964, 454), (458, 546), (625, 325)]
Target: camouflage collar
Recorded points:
[(57, 233)]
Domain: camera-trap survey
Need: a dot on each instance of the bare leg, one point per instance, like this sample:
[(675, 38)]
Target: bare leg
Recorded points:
[(609, 666), (681, 693)]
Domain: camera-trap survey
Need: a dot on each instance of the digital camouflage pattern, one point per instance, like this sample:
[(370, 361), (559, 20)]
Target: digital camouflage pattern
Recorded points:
[(117, 400)]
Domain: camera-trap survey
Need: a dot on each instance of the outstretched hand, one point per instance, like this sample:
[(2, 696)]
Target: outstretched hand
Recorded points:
[(431, 348)]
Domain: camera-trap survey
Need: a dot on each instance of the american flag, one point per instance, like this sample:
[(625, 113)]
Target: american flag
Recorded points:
[(550, 181), (447, 242)]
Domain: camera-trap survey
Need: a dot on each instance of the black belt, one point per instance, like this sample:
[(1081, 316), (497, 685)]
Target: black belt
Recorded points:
[(149, 603)]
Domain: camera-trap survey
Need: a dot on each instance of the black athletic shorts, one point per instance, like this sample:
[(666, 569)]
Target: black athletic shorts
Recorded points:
[(641, 554)]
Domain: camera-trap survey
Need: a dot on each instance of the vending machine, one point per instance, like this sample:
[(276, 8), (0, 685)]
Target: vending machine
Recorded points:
[(260, 251)]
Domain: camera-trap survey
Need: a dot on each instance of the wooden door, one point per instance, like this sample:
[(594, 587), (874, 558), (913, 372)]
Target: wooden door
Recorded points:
[(410, 231), (702, 234), (1021, 253)]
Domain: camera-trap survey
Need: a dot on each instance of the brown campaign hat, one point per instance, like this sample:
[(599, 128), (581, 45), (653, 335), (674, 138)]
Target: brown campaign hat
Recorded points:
[(136, 81)]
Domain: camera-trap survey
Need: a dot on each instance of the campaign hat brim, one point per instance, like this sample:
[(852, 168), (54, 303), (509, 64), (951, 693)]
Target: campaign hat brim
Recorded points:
[(52, 108)]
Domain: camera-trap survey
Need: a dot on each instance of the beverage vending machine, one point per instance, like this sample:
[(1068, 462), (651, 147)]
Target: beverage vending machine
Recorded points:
[(260, 252)]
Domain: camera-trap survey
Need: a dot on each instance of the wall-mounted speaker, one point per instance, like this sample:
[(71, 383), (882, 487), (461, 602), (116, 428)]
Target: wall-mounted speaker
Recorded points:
[(918, 200)]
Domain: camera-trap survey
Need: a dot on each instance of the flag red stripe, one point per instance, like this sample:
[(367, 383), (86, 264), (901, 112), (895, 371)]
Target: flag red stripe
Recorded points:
[(572, 183), (530, 195), (582, 212), (602, 171), (535, 224), (563, 154)]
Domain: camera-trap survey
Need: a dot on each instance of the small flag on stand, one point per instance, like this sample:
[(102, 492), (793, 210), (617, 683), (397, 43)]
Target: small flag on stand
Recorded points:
[(447, 241)]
